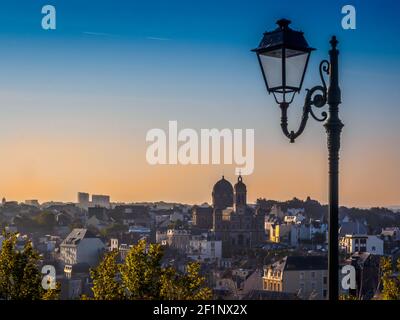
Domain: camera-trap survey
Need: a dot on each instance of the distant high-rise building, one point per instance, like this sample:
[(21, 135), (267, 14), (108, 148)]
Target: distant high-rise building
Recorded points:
[(101, 200), (83, 200)]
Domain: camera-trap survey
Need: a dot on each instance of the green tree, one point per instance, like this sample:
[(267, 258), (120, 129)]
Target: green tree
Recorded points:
[(105, 279), (26, 224), (347, 297), (52, 294), (178, 224), (141, 277), (141, 271), (20, 278), (46, 221), (76, 224), (113, 230), (184, 287), (390, 283)]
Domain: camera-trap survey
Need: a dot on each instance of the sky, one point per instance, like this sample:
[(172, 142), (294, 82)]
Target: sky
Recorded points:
[(76, 102)]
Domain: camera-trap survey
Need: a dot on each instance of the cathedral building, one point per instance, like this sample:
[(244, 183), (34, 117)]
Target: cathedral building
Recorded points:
[(238, 225), (202, 217)]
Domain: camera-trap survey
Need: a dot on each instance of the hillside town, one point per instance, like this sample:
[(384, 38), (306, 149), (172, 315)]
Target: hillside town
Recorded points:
[(268, 250)]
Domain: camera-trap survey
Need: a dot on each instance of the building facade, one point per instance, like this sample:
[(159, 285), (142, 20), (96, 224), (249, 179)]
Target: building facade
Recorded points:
[(305, 276), (352, 243), (83, 200), (202, 217), (202, 249), (100, 201), (178, 239), (81, 246), (236, 224)]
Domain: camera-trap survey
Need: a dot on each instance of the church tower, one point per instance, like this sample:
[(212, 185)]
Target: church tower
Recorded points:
[(240, 193)]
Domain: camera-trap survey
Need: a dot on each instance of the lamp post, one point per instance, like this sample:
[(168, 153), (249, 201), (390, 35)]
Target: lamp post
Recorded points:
[(283, 55)]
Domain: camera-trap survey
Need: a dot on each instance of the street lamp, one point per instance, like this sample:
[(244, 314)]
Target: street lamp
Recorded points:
[(283, 55)]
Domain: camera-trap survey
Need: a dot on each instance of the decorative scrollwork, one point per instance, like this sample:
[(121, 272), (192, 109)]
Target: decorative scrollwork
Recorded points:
[(315, 97), (324, 67), (319, 100)]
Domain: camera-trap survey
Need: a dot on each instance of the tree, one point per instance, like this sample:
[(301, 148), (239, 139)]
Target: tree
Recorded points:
[(52, 294), (347, 297), (142, 277), (25, 224), (390, 283), (20, 278), (76, 224), (46, 220), (178, 224), (113, 230), (105, 282), (43, 222), (187, 287), (141, 272)]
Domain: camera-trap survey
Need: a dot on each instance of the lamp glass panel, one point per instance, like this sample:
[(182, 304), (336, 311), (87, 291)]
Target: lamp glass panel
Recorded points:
[(272, 66), (295, 67)]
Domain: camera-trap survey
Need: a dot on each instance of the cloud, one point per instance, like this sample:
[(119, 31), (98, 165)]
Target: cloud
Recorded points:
[(98, 34), (158, 38)]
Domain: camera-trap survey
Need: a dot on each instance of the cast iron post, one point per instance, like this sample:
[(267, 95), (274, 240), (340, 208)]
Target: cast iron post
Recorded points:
[(333, 128)]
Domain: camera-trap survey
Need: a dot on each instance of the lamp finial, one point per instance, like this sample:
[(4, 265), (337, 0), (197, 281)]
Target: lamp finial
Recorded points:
[(283, 23)]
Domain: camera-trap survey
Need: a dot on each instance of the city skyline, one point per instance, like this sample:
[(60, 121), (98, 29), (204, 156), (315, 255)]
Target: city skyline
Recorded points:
[(112, 200), (78, 101)]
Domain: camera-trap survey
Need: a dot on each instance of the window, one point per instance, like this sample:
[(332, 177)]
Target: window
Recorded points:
[(325, 293), (325, 280), (313, 274), (301, 275)]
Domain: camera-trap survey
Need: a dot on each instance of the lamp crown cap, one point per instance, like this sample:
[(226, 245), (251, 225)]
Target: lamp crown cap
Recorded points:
[(283, 23)]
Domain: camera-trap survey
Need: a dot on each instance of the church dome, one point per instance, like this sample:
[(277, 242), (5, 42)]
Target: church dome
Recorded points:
[(222, 194), (223, 185)]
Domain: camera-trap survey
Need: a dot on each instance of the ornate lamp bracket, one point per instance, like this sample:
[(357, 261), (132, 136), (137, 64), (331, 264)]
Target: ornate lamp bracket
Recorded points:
[(315, 97)]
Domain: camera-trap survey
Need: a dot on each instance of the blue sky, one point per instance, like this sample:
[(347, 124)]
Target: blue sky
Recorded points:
[(114, 69)]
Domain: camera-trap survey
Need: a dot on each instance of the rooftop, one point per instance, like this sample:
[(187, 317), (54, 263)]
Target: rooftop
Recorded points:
[(301, 263), (76, 236)]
